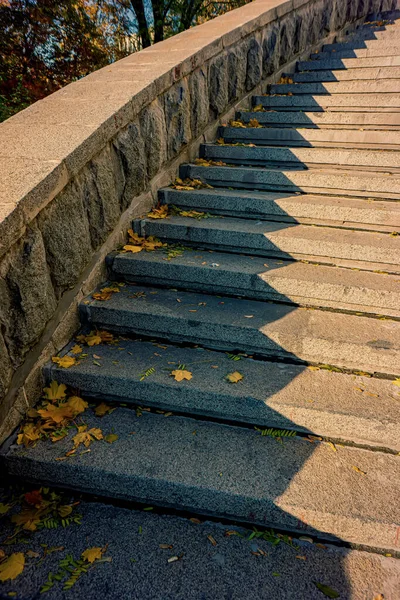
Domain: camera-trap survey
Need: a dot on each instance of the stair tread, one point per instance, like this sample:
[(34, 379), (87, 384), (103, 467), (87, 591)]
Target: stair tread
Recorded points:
[(333, 62), (306, 284), (342, 181), (269, 483), (351, 101), (386, 160), (382, 86), (338, 119), (361, 74), (340, 406), (262, 328)]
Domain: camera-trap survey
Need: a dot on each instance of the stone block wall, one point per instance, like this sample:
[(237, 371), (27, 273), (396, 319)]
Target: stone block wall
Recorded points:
[(77, 165)]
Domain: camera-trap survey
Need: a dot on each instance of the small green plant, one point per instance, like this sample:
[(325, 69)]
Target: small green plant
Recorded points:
[(277, 434), (147, 373)]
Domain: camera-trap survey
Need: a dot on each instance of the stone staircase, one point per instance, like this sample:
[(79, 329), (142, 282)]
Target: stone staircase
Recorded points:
[(293, 281)]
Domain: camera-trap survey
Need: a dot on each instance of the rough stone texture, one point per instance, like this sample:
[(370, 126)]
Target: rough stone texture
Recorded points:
[(130, 149), (65, 228), (269, 44), (152, 125), (177, 117), (101, 186), (27, 296), (5, 367), (236, 59), (199, 113), (254, 64), (218, 85)]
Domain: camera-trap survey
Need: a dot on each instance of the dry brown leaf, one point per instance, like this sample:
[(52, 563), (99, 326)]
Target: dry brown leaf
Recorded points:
[(64, 362), (180, 375), (12, 566), (212, 540), (161, 212), (234, 377)]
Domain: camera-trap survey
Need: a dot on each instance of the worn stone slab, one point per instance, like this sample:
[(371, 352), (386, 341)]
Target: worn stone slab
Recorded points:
[(275, 205), (389, 121), (165, 463), (357, 43), (322, 181), (229, 570), (316, 102), (363, 74), (251, 277), (277, 239), (302, 157), (333, 62), (308, 136), (315, 336), (382, 86), (339, 406)]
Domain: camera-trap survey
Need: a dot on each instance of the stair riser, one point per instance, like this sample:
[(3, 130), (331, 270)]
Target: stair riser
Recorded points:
[(296, 181), (358, 43), (320, 103), (295, 207), (389, 161), (268, 136), (261, 245), (341, 87), (333, 63), (261, 285), (366, 74), (295, 346)]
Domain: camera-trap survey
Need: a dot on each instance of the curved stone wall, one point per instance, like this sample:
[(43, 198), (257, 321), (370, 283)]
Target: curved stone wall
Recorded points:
[(78, 165)]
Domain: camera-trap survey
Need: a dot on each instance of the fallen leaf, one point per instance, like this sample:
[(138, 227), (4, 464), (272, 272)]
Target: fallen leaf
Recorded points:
[(160, 212), (133, 249), (92, 554), (196, 521), (332, 445), (55, 391), (103, 409), (77, 404), (173, 559), (212, 540), (326, 590), (12, 566), (301, 557), (65, 362), (111, 438), (396, 382), (166, 546), (32, 554), (180, 375), (359, 470), (33, 498), (76, 349), (4, 508), (234, 377)]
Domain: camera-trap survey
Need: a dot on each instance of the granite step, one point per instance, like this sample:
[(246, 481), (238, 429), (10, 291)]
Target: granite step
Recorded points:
[(382, 86), (304, 335), (285, 207), (295, 485), (381, 160), (267, 238), (379, 50), (350, 408), (334, 62), (324, 137), (388, 121), (389, 42), (374, 102), (363, 74), (321, 181), (304, 284)]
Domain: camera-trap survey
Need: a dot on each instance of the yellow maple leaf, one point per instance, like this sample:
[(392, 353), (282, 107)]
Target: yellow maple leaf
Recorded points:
[(234, 377), (28, 519), (160, 212), (133, 249), (103, 296), (55, 391), (111, 438), (29, 433), (64, 510), (96, 433), (135, 238), (12, 566), (76, 349), (65, 362), (92, 554), (78, 405), (86, 437), (102, 409), (57, 414), (180, 375)]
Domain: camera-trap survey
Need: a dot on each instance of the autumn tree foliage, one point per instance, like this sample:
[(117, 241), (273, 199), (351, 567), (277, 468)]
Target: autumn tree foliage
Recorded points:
[(45, 44)]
